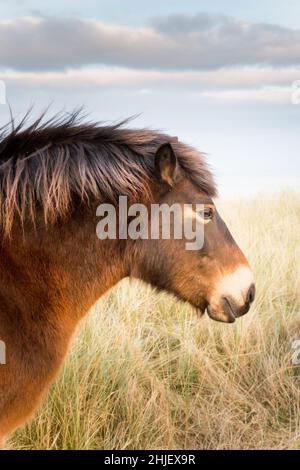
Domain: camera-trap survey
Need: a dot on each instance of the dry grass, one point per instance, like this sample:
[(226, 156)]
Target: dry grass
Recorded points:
[(146, 373)]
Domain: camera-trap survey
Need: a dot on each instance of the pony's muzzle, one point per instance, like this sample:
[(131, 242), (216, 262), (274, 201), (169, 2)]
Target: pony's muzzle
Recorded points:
[(240, 310), (235, 300)]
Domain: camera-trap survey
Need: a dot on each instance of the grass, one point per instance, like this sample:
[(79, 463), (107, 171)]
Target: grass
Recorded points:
[(145, 373)]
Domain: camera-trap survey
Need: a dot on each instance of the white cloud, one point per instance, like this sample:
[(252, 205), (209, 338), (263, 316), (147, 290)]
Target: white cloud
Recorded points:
[(177, 42), (278, 95), (244, 77), (255, 84), (216, 56)]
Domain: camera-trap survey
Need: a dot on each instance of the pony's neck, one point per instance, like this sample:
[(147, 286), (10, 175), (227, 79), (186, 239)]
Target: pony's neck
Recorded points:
[(49, 280), (64, 263)]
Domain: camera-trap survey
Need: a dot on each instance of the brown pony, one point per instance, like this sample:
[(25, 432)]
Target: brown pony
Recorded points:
[(53, 268)]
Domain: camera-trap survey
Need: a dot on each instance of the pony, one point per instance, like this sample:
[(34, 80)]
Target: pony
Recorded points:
[(53, 267)]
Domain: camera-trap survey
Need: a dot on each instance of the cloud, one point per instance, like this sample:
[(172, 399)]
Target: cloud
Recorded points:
[(175, 42), (113, 77), (238, 84), (270, 95)]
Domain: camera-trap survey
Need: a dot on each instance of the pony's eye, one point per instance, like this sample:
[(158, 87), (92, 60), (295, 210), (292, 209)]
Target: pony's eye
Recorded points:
[(207, 213)]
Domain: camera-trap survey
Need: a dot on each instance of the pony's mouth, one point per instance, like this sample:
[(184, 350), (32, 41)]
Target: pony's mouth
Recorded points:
[(227, 312), (224, 314)]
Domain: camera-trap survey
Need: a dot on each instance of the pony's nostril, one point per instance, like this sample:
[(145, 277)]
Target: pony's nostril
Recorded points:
[(251, 294)]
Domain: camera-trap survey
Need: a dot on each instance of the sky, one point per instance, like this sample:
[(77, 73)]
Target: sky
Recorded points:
[(222, 76)]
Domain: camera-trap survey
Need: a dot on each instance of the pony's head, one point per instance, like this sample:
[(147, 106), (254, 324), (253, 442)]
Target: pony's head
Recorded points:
[(52, 170), (216, 276)]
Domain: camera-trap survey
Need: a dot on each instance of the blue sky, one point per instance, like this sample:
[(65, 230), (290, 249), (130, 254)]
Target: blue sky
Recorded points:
[(216, 74), (136, 11)]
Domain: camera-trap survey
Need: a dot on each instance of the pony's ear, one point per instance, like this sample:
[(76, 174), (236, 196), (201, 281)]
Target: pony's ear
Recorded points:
[(166, 164)]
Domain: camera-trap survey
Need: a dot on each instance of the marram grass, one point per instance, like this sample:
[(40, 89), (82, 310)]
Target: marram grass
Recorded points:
[(145, 372)]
